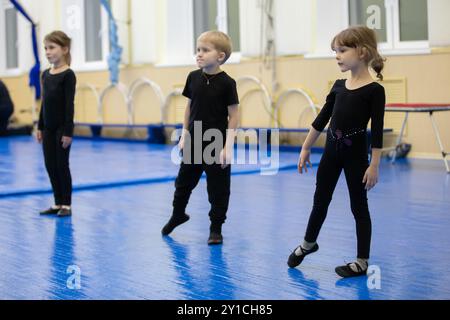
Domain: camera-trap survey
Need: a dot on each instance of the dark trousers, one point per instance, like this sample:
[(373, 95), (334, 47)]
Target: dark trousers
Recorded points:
[(218, 186), (57, 165), (354, 161)]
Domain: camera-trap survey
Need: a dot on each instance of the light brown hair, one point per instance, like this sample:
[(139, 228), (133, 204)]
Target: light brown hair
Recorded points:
[(364, 40), (220, 41), (62, 40)]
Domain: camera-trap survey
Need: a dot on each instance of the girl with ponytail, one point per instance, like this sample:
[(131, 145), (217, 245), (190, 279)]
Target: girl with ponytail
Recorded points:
[(350, 105)]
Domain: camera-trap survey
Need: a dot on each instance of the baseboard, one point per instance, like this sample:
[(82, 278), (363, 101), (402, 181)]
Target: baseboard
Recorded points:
[(425, 155)]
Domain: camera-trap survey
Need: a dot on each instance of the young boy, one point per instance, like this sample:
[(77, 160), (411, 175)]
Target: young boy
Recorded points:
[(212, 104)]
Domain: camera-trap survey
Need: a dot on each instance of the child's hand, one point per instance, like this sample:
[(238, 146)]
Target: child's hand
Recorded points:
[(39, 136), (66, 142), (225, 158), (371, 177), (303, 160)]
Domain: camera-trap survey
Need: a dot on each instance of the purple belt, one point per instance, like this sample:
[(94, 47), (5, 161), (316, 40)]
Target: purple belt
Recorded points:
[(344, 139)]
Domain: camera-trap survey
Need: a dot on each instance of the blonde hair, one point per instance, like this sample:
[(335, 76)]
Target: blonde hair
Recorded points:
[(61, 39), (362, 37), (220, 41)]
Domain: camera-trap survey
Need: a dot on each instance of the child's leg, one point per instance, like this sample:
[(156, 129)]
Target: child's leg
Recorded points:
[(49, 146), (218, 183), (354, 173), (327, 177), (65, 178), (187, 179)]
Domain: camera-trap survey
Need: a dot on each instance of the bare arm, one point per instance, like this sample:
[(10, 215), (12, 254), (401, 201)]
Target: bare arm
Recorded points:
[(312, 137), (187, 114), (233, 120), (40, 125), (371, 175), (303, 159), (376, 156)]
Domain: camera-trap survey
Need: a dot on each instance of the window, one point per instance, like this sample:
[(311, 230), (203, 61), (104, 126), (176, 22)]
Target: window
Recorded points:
[(86, 22), (9, 36), (92, 32), (400, 24), (220, 15), (413, 20), (370, 13), (185, 20), (12, 61)]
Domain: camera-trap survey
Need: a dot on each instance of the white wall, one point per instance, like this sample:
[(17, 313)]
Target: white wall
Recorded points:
[(26, 58), (70, 20), (250, 21), (25, 48), (179, 47), (147, 28), (330, 18), (438, 23), (293, 26), (47, 14), (120, 12), (161, 30)]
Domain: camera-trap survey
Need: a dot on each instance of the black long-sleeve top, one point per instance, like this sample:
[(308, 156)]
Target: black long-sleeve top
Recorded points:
[(352, 109), (6, 104), (57, 110)]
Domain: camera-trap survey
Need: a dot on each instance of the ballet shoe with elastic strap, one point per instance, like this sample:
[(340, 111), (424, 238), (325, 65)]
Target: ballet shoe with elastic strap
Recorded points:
[(49, 211), (64, 212), (347, 271), (295, 260)]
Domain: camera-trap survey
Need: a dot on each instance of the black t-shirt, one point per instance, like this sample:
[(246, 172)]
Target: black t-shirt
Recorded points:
[(57, 110), (210, 102), (352, 109)]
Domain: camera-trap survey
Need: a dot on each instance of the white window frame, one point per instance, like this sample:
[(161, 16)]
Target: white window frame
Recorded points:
[(222, 25), (180, 53), (387, 45), (222, 15), (393, 45), (79, 62), (4, 71), (411, 45)]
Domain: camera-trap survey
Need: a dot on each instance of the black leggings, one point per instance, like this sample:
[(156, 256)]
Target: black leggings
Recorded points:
[(57, 165), (218, 186), (354, 160)]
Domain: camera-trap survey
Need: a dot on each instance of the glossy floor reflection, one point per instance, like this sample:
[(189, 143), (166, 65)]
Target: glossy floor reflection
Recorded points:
[(114, 241)]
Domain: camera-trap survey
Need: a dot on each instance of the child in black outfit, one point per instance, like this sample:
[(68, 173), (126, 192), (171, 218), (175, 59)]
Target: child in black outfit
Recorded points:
[(55, 127), (350, 105), (213, 105), (6, 108)]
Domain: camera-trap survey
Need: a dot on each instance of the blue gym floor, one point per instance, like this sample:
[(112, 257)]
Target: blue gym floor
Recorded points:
[(123, 197)]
